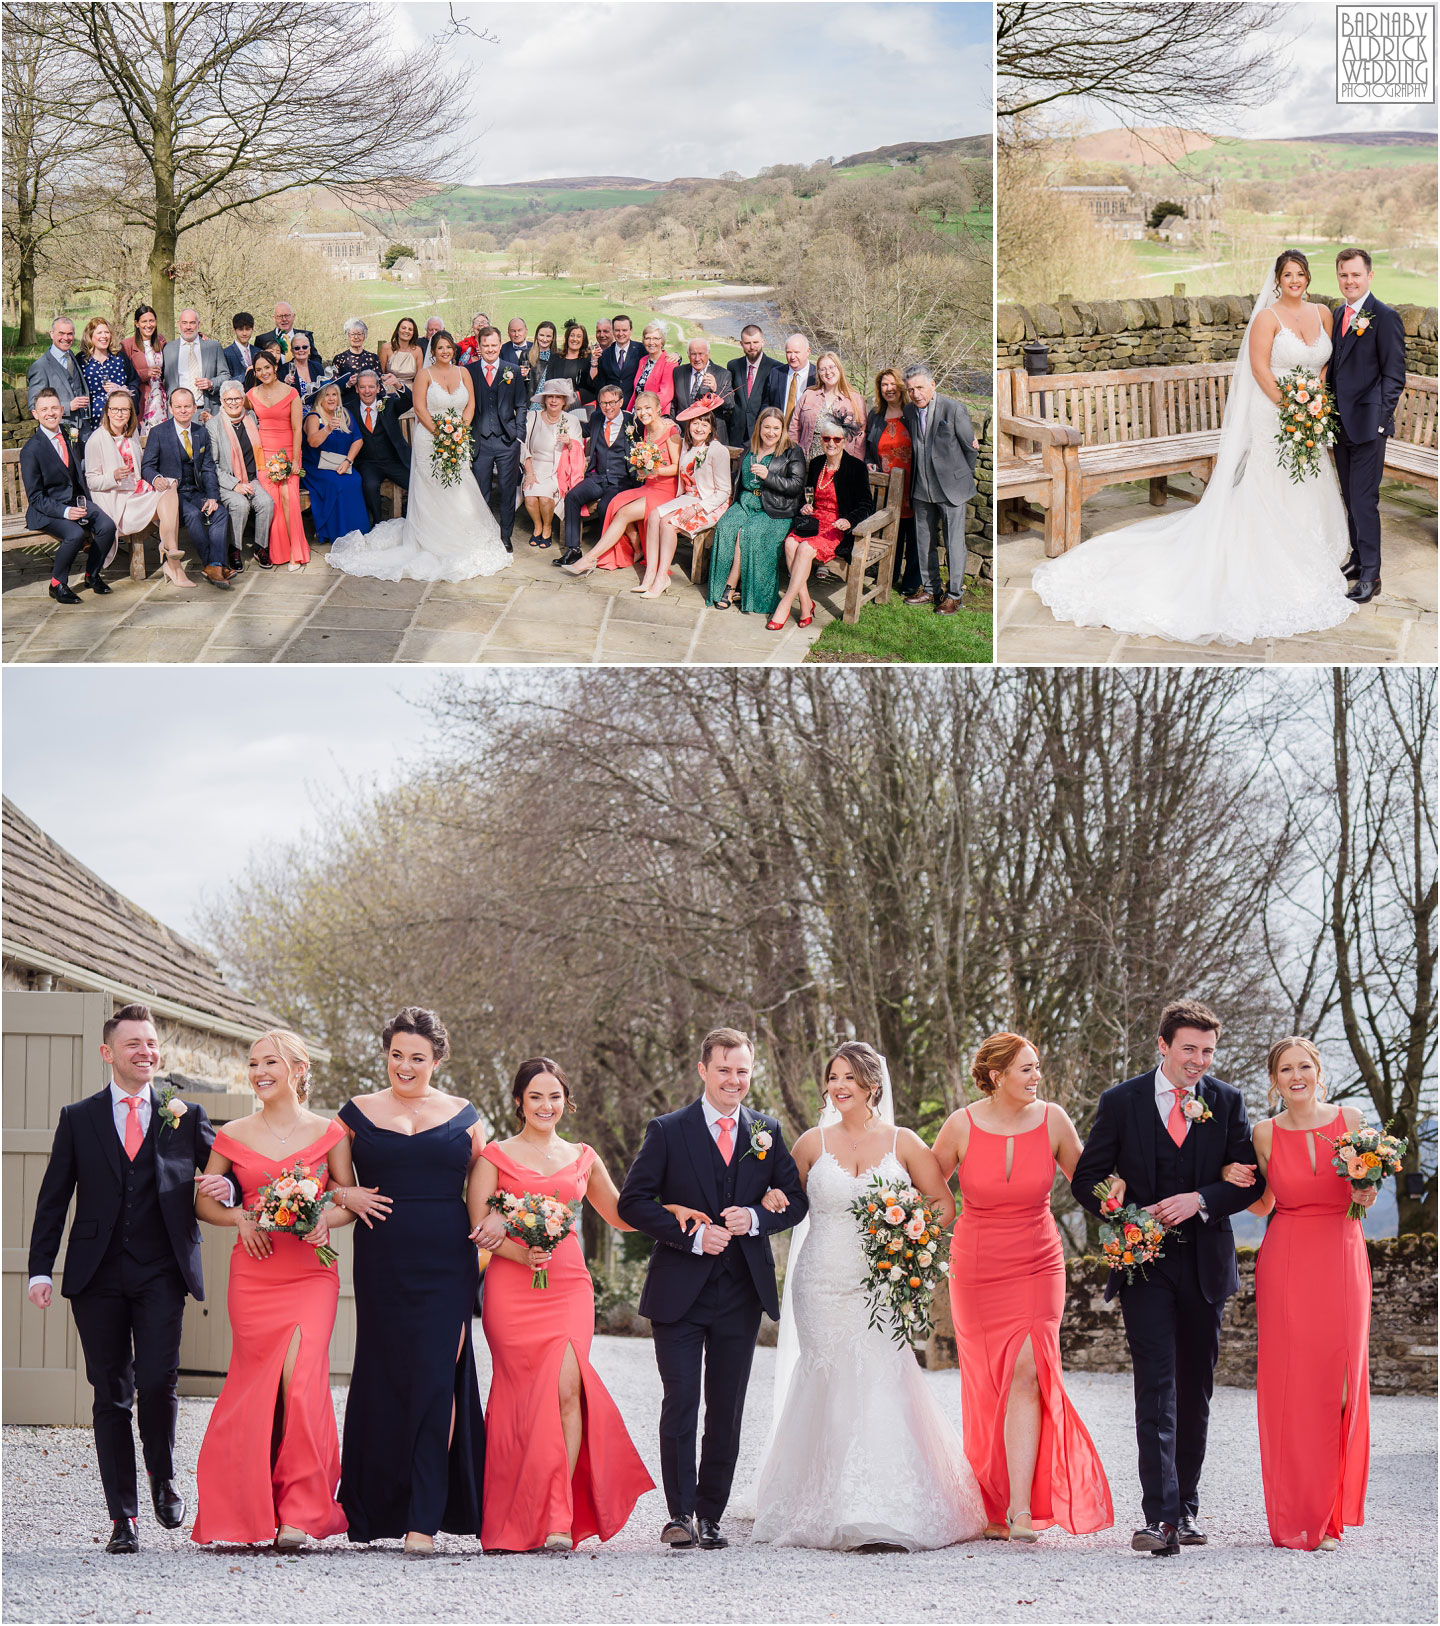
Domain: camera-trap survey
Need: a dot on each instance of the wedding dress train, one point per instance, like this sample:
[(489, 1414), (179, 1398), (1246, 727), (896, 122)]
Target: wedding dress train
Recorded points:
[(448, 533)]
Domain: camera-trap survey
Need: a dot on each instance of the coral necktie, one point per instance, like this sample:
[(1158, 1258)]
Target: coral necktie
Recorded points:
[(1176, 1123), (726, 1140), (133, 1134)]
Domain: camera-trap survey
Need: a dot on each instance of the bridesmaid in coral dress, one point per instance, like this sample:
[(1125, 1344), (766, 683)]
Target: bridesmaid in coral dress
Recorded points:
[(1312, 1311), (1035, 1461), (270, 1460), (277, 408), (559, 1464), (629, 512)]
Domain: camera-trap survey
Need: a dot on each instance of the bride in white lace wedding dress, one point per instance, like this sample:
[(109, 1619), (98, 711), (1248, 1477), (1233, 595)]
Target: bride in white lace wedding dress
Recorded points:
[(1259, 556), (860, 1453), (448, 533)]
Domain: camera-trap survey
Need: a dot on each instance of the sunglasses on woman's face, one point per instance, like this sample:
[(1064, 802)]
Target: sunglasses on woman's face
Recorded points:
[(832, 440)]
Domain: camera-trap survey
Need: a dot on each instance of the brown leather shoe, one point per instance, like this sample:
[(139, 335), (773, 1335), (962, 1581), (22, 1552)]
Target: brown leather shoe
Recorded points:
[(215, 575), (922, 595), (948, 606)]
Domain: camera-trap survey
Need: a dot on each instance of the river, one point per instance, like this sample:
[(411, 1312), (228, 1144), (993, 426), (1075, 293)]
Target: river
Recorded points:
[(725, 309)]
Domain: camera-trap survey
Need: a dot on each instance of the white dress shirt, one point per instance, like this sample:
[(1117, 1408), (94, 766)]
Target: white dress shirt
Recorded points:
[(1164, 1101), (712, 1123)]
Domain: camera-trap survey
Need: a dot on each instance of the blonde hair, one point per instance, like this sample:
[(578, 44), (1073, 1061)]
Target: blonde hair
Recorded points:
[(997, 1055), (294, 1054), (842, 384), (781, 445), (1296, 1041), (654, 399)]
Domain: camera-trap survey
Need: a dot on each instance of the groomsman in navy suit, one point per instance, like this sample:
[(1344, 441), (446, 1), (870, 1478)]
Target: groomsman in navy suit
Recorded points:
[(134, 1253), (607, 468), (787, 384), (499, 426), (620, 361), (57, 503), (179, 451)]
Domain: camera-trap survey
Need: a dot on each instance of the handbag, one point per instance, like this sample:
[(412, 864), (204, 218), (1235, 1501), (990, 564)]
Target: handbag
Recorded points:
[(331, 461), (805, 525)]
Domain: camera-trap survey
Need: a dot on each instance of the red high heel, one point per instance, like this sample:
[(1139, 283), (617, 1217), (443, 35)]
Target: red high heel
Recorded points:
[(776, 626), (805, 620)]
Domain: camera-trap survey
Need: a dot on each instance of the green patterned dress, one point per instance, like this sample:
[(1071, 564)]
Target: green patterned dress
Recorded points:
[(759, 536)]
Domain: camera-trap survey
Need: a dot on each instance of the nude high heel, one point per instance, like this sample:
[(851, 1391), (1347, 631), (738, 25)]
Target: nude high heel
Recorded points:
[(172, 567), (288, 1539), (417, 1546)]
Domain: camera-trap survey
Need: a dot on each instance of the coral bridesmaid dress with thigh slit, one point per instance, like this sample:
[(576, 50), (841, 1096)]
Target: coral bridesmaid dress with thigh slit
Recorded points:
[(529, 1491), (1312, 1313), (256, 1473), (1007, 1284)]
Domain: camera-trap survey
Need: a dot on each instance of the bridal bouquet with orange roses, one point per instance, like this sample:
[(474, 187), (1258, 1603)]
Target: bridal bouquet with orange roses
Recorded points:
[(902, 1240), (536, 1221), (450, 453), (1366, 1157), (1307, 423), (1130, 1237), (293, 1202)]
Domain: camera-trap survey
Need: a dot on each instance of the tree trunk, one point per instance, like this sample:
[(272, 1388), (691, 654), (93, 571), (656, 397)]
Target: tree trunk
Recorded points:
[(26, 280), (163, 244), (1415, 1214)]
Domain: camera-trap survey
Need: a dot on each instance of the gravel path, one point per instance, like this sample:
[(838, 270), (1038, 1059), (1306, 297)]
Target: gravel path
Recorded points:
[(55, 1568)]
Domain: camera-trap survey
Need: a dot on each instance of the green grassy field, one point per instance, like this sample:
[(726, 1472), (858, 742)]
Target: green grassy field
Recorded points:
[(1274, 160), (502, 206), (1158, 266)]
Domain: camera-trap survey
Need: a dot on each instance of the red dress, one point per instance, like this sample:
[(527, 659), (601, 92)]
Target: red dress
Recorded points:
[(529, 1493), (827, 511), (249, 1486), (1007, 1284), (897, 452), (657, 489), (1312, 1313), (287, 537)]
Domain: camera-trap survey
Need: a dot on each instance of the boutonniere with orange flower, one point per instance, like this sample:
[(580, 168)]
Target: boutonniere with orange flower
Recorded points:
[(1360, 324), (1197, 1110), (761, 1140), (508, 375)]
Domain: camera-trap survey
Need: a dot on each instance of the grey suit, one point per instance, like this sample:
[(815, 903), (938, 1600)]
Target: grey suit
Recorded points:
[(213, 366), (67, 382), (942, 483), (236, 504)]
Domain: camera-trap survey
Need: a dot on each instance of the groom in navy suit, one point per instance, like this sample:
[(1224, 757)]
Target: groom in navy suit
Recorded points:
[(1168, 1134), (704, 1293), (499, 425), (1367, 371)]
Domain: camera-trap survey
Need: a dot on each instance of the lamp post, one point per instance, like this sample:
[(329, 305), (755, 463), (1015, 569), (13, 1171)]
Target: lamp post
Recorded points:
[(1037, 365)]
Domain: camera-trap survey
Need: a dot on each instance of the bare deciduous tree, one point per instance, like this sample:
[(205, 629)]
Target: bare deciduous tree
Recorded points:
[(220, 103), (1178, 62)]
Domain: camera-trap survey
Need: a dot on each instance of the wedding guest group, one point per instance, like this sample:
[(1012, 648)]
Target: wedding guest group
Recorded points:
[(859, 1453), (322, 449)]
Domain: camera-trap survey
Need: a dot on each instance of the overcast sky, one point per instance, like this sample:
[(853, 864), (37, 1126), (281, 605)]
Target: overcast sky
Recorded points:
[(1304, 41), (164, 781), (657, 90)]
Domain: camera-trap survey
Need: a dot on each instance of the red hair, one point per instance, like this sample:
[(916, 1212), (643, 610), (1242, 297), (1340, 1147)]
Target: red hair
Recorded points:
[(995, 1055)]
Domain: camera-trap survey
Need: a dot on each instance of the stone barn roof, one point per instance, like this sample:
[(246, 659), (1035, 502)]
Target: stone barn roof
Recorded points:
[(63, 918)]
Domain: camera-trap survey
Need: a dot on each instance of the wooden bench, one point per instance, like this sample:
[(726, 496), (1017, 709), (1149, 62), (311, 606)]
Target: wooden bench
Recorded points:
[(1133, 424), (1036, 461), (1410, 455), (875, 541)]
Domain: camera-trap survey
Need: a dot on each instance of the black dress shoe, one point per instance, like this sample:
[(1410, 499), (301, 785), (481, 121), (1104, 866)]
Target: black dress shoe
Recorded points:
[(169, 1504), (1363, 590), (97, 583), (62, 594), (569, 557), (1188, 1533), (710, 1534), (262, 558), (679, 1532), (124, 1537), (1353, 569), (234, 558), (1157, 1539)]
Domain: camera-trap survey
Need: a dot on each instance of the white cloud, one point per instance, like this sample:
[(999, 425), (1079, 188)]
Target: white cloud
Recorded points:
[(656, 90)]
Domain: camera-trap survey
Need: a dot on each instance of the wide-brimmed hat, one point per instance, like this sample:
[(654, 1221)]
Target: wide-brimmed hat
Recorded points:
[(698, 409), (555, 386)]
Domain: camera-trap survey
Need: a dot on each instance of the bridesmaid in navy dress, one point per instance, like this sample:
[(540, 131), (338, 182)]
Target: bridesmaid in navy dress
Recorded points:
[(413, 1458), (337, 498)]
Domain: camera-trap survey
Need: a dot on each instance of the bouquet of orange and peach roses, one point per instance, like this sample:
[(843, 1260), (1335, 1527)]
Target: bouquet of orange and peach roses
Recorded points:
[(1366, 1157), (902, 1239), (1307, 423), (536, 1221), (1130, 1236), (293, 1202)]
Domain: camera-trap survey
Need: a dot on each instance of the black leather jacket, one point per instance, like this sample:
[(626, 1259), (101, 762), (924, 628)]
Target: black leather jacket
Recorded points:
[(783, 489)]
